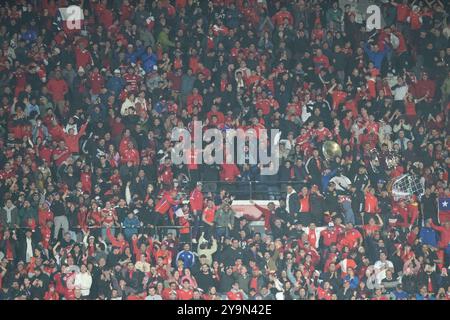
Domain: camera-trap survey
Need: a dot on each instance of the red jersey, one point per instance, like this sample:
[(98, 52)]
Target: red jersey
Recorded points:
[(322, 134), (165, 203), (371, 203), (209, 214), (133, 80), (321, 62), (86, 184), (402, 12), (83, 58), (185, 295), (63, 154), (229, 172), (279, 18), (57, 88), (196, 200), (329, 237), (130, 155), (96, 81), (304, 204), (235, 295)]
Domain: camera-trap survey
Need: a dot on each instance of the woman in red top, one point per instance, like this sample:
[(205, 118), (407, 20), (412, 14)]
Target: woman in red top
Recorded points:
[(51, 294)]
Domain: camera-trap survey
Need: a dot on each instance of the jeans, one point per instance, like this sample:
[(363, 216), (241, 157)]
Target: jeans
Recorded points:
[(222, 231)]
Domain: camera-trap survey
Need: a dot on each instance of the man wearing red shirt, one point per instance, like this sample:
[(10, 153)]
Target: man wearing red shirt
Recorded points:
[(172, 289), (195, 96), (235, 293), (7, 172), (371, 203), (58, 89), (338, 96), (229, 172), (96, 81), (321, 61), (165, 204), (444, 232), (132, 80), (61, 153), (263, 104), (186, 292), (215, 112), (82, 57), (165, 172), (279, 18), (196, 203), (352, 237), (329, 236), (322, 133), (208, 218), (44, 214), (403, 10), (130, 155), (72, 139), (424, 88)]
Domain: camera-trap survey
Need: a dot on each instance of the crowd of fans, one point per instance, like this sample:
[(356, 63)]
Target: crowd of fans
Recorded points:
[(91, 206)]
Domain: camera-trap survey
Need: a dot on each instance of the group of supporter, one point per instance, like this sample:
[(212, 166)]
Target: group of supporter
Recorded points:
[(93, 207)]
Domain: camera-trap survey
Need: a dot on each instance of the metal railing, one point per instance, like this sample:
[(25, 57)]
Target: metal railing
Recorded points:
[(252, 190)]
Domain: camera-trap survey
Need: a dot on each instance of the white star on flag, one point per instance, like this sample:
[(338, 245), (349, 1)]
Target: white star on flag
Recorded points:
[(444, 203)]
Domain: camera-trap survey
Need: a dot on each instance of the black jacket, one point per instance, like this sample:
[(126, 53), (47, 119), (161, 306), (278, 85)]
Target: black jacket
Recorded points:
[(205, 281), (294, 205), (22, 248), (226, 281)]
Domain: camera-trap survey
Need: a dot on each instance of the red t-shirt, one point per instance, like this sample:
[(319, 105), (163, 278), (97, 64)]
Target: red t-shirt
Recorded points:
[(57, 88), (96, 81), (209, 214), (410, 108), (64, 154), (185, 295), (82, 57), (235, 295), (402, 12)]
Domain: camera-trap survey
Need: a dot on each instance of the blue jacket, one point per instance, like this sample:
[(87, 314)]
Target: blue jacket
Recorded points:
[(376, 57), (148, 61), (187, 257), (115, 84), (400, 295), (428, 236), (135, 55), (29, 35), (353, 281)]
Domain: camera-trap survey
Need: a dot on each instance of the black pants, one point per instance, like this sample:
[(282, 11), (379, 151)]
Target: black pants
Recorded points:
[(305, 218)]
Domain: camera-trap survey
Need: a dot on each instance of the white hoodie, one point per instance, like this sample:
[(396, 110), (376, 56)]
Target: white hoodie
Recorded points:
[(84, 281)]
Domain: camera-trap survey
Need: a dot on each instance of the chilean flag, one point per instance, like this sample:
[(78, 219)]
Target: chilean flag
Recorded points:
[(444, 209), (69, 19)]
